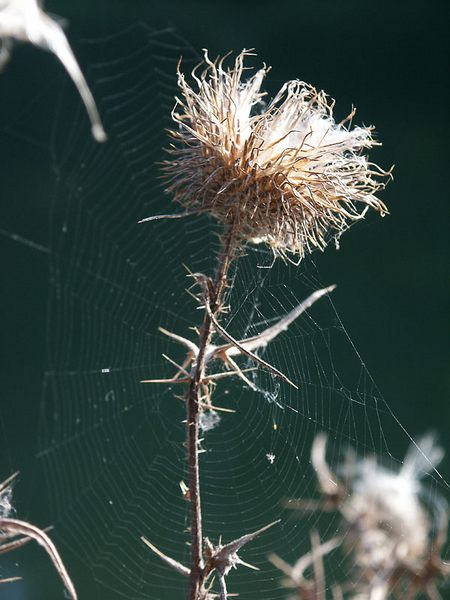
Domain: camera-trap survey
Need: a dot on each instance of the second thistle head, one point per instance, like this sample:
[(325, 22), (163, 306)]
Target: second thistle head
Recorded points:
[(284, 173)]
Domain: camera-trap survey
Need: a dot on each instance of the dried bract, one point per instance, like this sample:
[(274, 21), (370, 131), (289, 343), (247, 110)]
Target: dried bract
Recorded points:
[(14, 534), (286, 173), (24, 20), (219, 559), (233, 348)]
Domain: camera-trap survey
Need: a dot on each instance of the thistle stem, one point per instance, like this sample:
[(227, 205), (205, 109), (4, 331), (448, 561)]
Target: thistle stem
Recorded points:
[(193, 413)]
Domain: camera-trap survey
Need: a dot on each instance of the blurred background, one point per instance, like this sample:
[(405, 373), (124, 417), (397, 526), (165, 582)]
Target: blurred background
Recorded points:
[(388, 59)]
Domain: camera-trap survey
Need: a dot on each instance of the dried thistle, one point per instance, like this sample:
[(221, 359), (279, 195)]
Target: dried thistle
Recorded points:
[(286, 172), (392, 531)]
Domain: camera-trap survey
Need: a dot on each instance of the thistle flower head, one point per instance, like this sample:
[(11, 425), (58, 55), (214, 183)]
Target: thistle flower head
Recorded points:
[(285, 173)]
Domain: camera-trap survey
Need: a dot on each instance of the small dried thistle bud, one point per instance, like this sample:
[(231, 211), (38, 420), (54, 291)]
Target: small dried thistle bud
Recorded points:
[(285, 173)]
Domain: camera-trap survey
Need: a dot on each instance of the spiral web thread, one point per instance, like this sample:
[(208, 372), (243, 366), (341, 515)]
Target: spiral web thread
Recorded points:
[(112, 448)]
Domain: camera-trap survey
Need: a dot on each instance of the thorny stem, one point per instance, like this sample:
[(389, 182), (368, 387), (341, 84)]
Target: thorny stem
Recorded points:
[(193, 412)]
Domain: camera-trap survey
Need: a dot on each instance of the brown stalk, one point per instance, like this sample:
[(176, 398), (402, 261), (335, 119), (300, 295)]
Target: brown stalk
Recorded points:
[(193, 405)]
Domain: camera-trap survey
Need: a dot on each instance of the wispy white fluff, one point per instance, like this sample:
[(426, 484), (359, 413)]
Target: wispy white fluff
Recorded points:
[(209, 420), (6, 508)]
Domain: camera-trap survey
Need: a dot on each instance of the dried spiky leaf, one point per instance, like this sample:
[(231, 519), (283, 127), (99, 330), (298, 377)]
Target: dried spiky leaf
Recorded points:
[(25, 20)]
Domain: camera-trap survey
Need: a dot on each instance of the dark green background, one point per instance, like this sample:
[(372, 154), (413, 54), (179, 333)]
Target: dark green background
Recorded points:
[(390, 59)]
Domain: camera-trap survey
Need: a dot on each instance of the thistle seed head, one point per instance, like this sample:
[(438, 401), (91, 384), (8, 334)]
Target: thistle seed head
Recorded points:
[(285, 173), (387, 512)]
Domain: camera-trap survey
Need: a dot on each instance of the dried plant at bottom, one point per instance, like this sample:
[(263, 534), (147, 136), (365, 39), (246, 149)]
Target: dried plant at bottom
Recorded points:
[(24, 20), (396, 538), (15, 533)]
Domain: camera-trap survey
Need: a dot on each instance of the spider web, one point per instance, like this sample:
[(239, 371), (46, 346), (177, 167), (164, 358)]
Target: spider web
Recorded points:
[(112, 448)]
